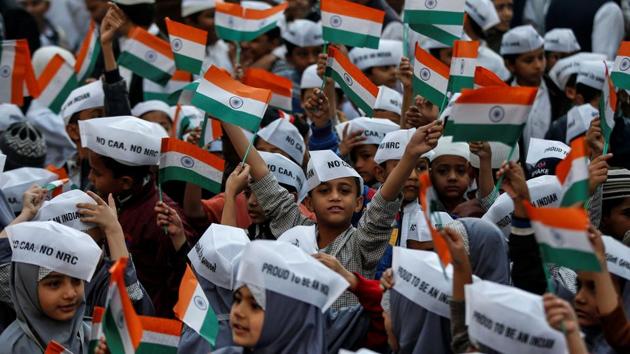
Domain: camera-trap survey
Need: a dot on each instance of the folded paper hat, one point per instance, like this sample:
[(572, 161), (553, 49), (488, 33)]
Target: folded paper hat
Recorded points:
[(149, 106), (521, 39), (81, 98), (310, 79), (286, 137), (565, 67), (374, 129), (15, 182), (303, 33), (393, 145), (446, 147), (483, 13), (286, 172), (303, 237), (388, 100), (325, 166), (388, 53), (63, 210), (561, 40), (190, 7), (500, 154)]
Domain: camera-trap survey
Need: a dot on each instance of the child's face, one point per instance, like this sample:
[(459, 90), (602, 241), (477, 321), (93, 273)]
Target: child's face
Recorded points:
[(552, 58), (584, 303), (303, 57), (253, 50), (254, 210), (446, 55), (262, 145), (36, 8), (618, 222), (449, 175), (528, 68), (160, 118), (335, 201), (60, 296), (102, 178), (383, 75), (505, 9), (411, 187), (363, 161), (246, 318)]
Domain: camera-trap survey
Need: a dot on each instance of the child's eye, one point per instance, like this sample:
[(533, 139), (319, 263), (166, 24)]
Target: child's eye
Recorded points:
[(52, 284), (76, 282)]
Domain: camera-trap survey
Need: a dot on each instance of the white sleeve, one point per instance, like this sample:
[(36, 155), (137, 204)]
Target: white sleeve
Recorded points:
[(608, 30)]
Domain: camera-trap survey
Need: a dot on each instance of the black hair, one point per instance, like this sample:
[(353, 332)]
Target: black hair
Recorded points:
[(290, 47), (435, 52), (18, 23), (609, 204), (476, 28), (274, 34), (140, 14), (572, 80), (137, 173), (510, 58), (587, 92)]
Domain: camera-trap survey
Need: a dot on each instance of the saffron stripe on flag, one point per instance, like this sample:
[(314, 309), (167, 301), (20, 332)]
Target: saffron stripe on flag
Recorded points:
[(193, 308), (430, 77), (351, 24), (361, 91), (159, 336), (88, 54)]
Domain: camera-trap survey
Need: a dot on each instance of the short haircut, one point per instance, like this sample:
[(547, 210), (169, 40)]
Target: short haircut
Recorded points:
[(138, 173), (587, 92)]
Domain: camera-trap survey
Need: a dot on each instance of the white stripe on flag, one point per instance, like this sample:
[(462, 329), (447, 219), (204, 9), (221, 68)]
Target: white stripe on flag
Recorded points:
[(364, 94), (188, 48), (352, 24), (562, 238), (159, 338), (452, 5), (435, 80), (7, 63), (115, 308), (280, 101), (250, 106), (156, 58), (470, 113), (195, 316), (175, 158), (243, 24), (54, 87), (463, 66)]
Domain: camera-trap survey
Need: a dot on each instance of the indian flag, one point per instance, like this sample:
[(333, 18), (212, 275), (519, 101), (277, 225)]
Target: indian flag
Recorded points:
[(147, 56), (449, 12), (607, 108), (429, 202), (486, 78), (462, 73), (236, 23), (359, 89), (57, 187), (352, 24), (88, 54), (562, 237), (16, 72), (56, 82), (194, 310), (492, 114), (188, 44), (231, 101), (96, 331), (121, 325), (445, 34), (154, 91), (573, 174), (55, 348), (210, 131), (621, 69), (182, 161), (159, 335), (430, 77), (279, 86)]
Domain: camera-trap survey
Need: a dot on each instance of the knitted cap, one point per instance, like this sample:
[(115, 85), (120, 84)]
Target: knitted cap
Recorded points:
[(24, 146)]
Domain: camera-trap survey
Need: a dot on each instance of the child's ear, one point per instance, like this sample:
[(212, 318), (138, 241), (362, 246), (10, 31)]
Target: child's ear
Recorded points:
[(73, 132), (295, 196), (126, 183), (379, 173), (509, 65), (309, 204), (570, 93), (358, 204)]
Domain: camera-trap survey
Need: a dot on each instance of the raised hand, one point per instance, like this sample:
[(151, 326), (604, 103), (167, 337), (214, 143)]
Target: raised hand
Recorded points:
[(168, 218), (350, 140), (424, 139), (317, 108), (32, 200), (405, 72), (237, 181)]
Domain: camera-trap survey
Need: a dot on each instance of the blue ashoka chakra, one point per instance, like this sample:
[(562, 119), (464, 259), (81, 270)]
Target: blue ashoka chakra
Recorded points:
[(120, 321), (236, 102), (557, 237), (200, 303), (348, 79), (335, 21), (150, 56), (430, 4), (187, 161), (425, 74), (625, 64), (5, 71), (496, 114), (176, 44)]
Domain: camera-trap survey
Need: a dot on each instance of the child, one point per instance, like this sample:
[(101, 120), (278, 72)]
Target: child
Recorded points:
[(281, 136), (450, 173), (505, 10), (388, 104), (334, 195), (154, 111), (616, 204), (559, 43), (379, 65)]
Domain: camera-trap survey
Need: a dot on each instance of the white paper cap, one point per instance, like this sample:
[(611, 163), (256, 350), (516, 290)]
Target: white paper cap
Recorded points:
[(285, 269), (483, 13), (285, 136), (388, 53), (303, 237), (82, 98), (9, 114), (310, 78), (54, 246), (592, 74), (286, 172), (217, 254), (579, 119), (393, 145), (374, 129), (500, 153), (542, 152), (190, 7), (521, 39), (126, 139), (63, 210), (303, 33), (561, 40), (257, 5), (446, 146), (15, 182), (151, 105), (324, 166), (565, 67), (388, 100), (134, 2), (43, 55)]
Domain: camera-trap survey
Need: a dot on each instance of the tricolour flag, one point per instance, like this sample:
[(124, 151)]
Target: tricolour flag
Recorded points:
[(429, 202), (188, 44), (434, 12), (182, 161), (486, 78), (159, 335), (462, 73), (572, 172), (492, 114), (210, 131), (147, 56), (280, 87), (562, 236), (88, 54), (621, 69), (430, 77), (359, 89), (121, 325), (607, 108), (352, 24), (234, 22), (96, 330), (55, 348), (56, 82), (231, 101), (57, 187), (155, 91), (16, 72), (194, 310)]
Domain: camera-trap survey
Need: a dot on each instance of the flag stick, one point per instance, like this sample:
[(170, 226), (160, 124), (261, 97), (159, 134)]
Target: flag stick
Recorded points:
[(498, 185), (202, 138), (249, 147), (605, 150), (406, 40), (325, 51), (161, 199)]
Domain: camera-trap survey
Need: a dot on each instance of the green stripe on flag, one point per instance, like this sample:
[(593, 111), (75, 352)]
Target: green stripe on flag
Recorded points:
[(173, 173), (93, 59), (70, 85), (504, 133), (433, 17), (186, 63), (570, 258), (143, 68), (620, 80), (164, 97), (457, 83), (153, 348), (92, 345), (352, 39), (427, 91), (240, 36), (210, 327), (364, 106), (577, 193), (221, 112), (110, 329), (435, 33)]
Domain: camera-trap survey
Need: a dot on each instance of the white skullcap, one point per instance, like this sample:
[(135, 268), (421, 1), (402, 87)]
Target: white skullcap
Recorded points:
[(190, 7), (325, 166), (388, 53), (63, 209), (388, 100), (568, 66), (303, 33), (15, 182), (482, 12), (310, 79), (561, 40), (285, 136), (500, 153), (9, 114), (43, 55), (592, 74), (81, 98), (521, 39), (446, 147), (286, 172), (374, 129), (302, 236), (149, 106), (393, 145)]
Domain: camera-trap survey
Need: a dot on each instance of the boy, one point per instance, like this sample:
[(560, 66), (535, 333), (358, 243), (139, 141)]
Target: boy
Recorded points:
[(388, 104), (282, 137), (450, 173), (154, 111), (334, 195), (379, 65), (559, 43)]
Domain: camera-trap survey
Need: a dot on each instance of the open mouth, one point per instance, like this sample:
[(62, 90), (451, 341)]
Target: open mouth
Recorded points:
[(239, 330)]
